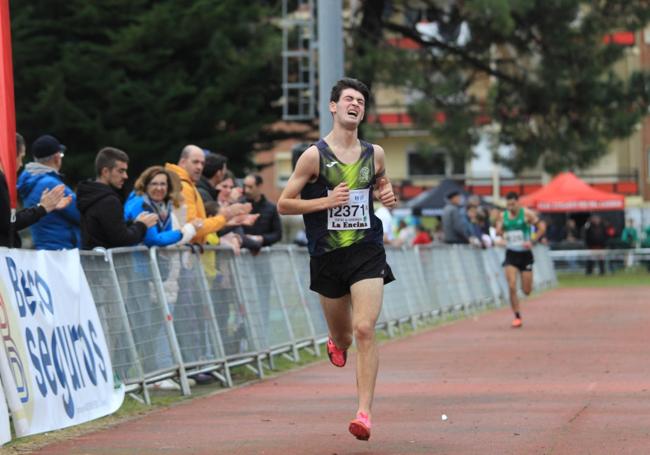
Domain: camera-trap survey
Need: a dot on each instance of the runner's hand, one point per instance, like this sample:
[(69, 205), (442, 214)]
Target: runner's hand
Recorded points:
[(386, 195), (339, 196)]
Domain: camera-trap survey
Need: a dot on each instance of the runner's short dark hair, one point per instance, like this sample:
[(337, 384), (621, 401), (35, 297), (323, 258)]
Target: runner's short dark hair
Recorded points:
[(107, 157), (512, 196), (348, 82)]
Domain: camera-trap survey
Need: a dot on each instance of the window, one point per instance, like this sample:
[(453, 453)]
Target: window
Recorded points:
[(431, 163)]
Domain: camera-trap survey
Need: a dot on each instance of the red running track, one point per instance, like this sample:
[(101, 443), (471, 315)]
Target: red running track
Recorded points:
[(574, 380)]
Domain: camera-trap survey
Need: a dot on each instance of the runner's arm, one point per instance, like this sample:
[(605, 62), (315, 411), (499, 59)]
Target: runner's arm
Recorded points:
[(307, 168), (384, 189), (540, 225)]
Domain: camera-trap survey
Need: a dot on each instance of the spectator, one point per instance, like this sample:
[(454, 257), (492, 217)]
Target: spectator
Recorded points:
[(189, 170), (646, 237), (155, 192), (630, 236), (228, 192), (453, 224), (101, 207), (211, 176), (60, 229), (50, 199), (572, 233), (483, 224), (555, 232), (406, 233), (595, 239), (474, 224), (190, 328), (267, 230), (438, 233), (422, 236)]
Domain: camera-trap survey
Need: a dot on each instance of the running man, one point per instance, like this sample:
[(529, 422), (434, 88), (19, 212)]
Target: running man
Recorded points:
[(514, 225), (333, 186)]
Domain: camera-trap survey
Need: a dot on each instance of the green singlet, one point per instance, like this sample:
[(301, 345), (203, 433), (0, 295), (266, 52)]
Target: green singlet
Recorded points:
[(516, 231)]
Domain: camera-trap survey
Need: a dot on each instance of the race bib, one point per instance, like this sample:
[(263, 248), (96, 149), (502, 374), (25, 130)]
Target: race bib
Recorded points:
[(515, 238), (353, 215)]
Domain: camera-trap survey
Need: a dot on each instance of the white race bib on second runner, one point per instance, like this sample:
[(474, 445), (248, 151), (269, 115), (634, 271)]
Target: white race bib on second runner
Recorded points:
[(353, 215), (515, 238)]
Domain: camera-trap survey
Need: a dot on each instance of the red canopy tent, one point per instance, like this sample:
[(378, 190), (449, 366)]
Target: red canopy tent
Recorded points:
[(567, 193)]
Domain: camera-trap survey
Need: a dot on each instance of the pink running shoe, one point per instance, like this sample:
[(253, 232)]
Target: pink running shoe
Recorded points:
[(337, 356), (360, 427)]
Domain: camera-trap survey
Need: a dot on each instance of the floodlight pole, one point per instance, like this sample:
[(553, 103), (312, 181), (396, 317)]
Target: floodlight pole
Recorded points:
[(330, 56)]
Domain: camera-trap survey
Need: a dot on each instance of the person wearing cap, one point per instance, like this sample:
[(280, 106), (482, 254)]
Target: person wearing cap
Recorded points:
[(51, 199), (453, 223), (58, 229)]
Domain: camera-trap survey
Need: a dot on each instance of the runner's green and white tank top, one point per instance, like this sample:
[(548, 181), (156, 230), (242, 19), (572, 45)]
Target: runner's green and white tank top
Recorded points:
[(516, 231), (351, 223)]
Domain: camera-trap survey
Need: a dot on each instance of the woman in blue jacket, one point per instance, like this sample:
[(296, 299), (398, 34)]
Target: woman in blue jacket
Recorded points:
[(156, 192)]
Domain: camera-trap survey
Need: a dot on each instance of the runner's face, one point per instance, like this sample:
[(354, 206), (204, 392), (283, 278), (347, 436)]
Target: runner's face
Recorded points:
[(350, 108), (512, 204)]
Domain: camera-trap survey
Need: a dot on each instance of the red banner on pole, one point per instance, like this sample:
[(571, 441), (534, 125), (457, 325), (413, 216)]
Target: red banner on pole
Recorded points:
[(7, 108)]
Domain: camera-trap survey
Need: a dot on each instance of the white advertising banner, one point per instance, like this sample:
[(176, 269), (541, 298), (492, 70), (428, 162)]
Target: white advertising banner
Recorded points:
[(5, 431), (54, 360)]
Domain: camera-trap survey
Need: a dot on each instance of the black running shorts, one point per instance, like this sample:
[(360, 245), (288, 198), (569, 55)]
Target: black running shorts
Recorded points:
[(523, 260), (333, 273)]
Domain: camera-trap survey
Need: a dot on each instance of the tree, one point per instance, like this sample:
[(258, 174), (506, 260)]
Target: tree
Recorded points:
[(553, 93), (146, 76)]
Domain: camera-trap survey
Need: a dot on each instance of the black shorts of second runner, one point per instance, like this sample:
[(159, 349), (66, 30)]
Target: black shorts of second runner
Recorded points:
[(333, 273), (523, 260)]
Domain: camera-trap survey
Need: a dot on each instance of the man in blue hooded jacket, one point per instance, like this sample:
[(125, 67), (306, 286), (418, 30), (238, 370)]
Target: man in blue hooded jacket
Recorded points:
[(58, 229)]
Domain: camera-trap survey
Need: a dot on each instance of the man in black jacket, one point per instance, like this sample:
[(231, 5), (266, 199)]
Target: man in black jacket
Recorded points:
[(212, 174), (51, 199), (267, 230), (101, 207)]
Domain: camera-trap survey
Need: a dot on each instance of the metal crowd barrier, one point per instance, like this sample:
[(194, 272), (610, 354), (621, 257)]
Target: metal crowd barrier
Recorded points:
[(595, 261), (171, 313)]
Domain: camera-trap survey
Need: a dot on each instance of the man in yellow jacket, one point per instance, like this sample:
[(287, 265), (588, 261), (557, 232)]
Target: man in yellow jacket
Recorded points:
[(189, 168), (189, 323)]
